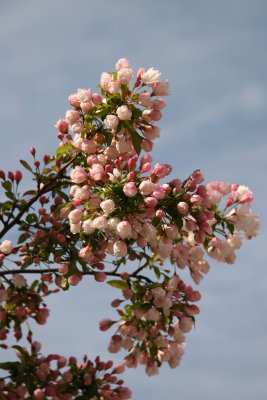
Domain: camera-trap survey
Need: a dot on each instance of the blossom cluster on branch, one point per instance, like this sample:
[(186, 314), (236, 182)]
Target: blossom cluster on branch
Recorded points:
[(101, 207)]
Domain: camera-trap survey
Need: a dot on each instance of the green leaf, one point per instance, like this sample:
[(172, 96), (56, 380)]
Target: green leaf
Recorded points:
[(13, 366), (26, 165), (10, 195), (22, 238), (64, 283), (62, 150), (7, 185), (136, 138), (30, 193), (157, 272), (31, 218), (109, 137), (116, 283)]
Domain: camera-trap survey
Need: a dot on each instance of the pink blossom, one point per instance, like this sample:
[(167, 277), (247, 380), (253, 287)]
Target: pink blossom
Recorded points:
[(144, 99), (151, 132), (150, 76), (158, 104), (19, 281), (123, 146), (151, 201), (113, 87), (124, 113), (86, 253), (84, 95), (111, 121), (122, 63), (77, 127), (147, 145), (75, 216), (72, 116), (62, 126), (105, 79), (75, 228), (161, 88), (129, 189), (120, 248), (146, 187), (87, 107), (6, 247), (88, 227), (107, 206), (74, 102), (97, 172), (243, 194), (78, 175), (88, 146), (100, 223), (124, 229), (152, 314), (125, 75)]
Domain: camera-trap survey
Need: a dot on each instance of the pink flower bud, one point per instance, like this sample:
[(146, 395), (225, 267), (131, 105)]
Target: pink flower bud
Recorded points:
[(74, 279), (151, 201), (105, 324), (147, 145), (33, 151), (100, 276), (39, 394), (63, 269), (160, 213), (10, 175), (42, 315), (146, 167), (17, 176), (183, 207), (196, 200), (96, 99), (62, 126)]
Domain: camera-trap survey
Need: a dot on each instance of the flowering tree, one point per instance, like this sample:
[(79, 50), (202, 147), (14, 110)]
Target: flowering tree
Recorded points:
[(99, 207)]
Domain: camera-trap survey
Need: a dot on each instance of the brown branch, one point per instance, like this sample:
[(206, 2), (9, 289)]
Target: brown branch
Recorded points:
[(47, 188), (55, 270)]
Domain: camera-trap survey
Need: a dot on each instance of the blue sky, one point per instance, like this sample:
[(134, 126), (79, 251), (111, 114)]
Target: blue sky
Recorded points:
[(214, 55)]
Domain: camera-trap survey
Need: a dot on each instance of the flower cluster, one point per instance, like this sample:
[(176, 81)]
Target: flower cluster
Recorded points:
[(18, 303), (153, 325), (101, 204), (40, 377)]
